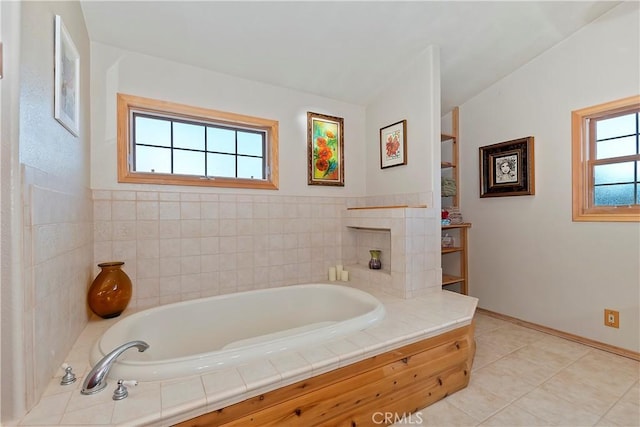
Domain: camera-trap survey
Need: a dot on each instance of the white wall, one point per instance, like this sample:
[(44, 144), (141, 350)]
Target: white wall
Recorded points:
[(50, 182), (412, 95), (115, 70), (527, 258)]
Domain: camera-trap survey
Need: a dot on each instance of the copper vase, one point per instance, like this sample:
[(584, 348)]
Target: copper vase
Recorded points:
[(110, 291)]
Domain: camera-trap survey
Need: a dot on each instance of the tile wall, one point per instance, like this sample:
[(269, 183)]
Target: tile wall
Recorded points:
[(409, 239), (57, 254), (179, 246)]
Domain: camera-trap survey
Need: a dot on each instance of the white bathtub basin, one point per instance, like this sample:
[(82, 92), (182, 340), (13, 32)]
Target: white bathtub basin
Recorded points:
[(194, 337)]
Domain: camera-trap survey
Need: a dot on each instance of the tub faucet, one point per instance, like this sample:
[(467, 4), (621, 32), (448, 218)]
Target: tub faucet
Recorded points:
[(96, 379)]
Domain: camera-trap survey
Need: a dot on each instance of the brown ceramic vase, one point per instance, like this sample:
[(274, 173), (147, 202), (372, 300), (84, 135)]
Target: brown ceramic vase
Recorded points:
[(110, 291)]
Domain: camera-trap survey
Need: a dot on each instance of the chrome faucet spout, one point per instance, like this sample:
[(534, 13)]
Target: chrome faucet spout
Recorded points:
[(96, 379)]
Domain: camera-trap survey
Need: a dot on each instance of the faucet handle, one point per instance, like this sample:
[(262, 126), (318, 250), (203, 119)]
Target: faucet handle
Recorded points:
[(69, 377), (121, 391)]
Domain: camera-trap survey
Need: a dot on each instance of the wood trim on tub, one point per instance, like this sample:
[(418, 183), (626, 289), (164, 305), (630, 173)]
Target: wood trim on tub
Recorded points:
[(400, 381), (575, 338)]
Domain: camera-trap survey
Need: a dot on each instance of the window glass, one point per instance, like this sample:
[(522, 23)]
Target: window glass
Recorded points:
[(616, 147), (614, 173), (614, 195), (249, 167), (250, 143), (188, 162), (221, 140), (160, 142), (616, 126), (151, 131), (605, 158), (223, 165), (187, 135), (153, 159)]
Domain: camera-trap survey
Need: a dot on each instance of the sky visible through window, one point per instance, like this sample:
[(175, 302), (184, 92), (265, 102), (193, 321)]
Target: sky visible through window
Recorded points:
[(617, 184), (168, 146)]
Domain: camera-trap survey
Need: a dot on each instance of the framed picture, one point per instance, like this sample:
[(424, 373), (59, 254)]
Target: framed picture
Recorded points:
[(393, 145), (67, 79), (325, 143), (507, 168)]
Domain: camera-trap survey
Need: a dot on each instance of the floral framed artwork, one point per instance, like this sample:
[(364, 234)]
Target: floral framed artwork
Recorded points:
[(325, 141), (507, 168), (393, 145), (67, 79)]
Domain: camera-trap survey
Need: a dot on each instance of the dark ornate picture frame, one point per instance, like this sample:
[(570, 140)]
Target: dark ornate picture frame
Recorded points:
[(507, 168)]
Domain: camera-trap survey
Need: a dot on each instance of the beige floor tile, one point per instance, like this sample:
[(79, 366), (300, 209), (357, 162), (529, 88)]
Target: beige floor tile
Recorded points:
[(485, 354), (523, 377), (485, 323), (573, 388), (528, 370), (543, 357), (505, 383), (607, 372), (442, 414), (560, 346), (556, 411), (626, 412), (512, 416), (477, 402)]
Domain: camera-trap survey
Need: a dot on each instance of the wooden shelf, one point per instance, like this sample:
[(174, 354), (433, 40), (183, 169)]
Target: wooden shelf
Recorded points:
[(452, 226), (451, 250), (448, 279), (447, 137), (454, 263)]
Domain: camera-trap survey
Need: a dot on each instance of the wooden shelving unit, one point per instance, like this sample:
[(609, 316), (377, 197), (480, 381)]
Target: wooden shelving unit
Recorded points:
[(460, 237), (459, 232)]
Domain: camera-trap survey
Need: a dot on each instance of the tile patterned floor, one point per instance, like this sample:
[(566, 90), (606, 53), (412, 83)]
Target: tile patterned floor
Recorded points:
[(522, 377)]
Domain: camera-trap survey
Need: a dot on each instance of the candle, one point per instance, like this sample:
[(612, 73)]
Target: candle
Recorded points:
[(339, 269), (332, 274), (344, 276)]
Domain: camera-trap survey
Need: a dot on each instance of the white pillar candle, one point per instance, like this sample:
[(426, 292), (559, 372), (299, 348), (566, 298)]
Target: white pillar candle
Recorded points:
[(332, 274), (338, 270), (344, 276)]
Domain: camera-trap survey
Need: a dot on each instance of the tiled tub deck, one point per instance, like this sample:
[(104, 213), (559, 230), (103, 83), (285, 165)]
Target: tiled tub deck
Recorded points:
[(165, 403)]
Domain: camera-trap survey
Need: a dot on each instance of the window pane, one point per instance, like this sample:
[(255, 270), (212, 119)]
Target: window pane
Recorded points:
[(152, 131), (188, 136), (616, 147), (617, 126), (221, 140), (188, 162), (250, 167), (614, 173), (152, 159), (221, 165), (250, 144), (613, 195)]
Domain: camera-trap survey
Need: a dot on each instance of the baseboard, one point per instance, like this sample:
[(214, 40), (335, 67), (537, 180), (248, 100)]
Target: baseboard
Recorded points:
[(581, 340)]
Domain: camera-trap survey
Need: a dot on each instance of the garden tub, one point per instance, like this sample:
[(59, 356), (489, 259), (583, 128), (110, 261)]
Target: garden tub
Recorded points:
[(203, 335)]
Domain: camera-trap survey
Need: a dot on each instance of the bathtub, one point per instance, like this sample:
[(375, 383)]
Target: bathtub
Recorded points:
[(198, 336)]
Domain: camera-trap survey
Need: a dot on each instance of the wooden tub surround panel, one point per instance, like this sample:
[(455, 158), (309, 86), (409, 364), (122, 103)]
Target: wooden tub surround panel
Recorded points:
[(400, 381)]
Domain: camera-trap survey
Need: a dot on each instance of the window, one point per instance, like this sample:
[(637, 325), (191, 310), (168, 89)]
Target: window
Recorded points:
[(606, 161), (165, 143)]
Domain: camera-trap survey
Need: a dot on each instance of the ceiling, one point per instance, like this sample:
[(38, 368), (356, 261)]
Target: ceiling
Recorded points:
[(343, 50)]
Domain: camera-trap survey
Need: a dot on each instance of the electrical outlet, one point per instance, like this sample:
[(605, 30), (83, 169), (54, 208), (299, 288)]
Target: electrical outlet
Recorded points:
[(611, 318)]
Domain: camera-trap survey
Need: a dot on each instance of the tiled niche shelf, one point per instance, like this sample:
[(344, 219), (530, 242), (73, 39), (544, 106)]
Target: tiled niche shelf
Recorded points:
[(408, 238)]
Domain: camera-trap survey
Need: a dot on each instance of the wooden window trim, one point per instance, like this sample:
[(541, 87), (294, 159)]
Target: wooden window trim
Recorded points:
[(126, 103), (581, 164)]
